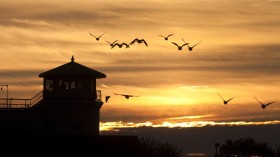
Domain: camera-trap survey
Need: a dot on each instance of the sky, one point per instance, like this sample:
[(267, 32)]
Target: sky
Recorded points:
[(238, 57)]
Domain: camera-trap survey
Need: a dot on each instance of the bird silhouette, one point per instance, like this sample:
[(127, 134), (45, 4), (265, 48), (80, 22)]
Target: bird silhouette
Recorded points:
[(191, 47), (120, 45), (166, 37), (263, 106), (127, 96), (179, 47), (138, 41), (111, 44), (225, 101), (107, 98), (97, 38)]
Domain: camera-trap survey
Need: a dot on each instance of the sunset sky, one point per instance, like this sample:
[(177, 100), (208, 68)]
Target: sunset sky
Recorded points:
[(239, 55)]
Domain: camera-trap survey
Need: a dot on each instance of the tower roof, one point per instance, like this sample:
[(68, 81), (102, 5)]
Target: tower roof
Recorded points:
[(70, 70)]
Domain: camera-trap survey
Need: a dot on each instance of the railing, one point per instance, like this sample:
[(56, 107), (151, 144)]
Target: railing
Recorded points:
[(21, 103), (27, 103), (36, 98)]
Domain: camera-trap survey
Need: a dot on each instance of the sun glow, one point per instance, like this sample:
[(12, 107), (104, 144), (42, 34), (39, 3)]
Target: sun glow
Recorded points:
[(115, 126)]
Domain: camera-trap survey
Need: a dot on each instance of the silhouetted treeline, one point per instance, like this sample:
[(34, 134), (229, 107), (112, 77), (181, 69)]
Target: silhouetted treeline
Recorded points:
[(247, 147), (157, 148)]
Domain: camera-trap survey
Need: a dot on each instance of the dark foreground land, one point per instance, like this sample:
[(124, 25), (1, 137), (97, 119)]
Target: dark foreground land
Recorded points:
[(25, 144)]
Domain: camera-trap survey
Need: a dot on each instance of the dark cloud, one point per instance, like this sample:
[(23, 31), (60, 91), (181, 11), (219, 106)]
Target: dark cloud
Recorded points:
[(19, 73)]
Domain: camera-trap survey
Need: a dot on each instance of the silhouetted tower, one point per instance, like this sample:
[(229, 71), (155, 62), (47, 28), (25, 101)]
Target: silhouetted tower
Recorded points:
[(70, 99)]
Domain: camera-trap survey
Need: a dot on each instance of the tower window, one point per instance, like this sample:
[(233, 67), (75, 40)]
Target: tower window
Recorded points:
[(49, 85), (72, 85)]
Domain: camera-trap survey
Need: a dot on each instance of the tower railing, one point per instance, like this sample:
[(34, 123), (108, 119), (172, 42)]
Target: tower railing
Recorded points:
[(17, 103), (21, 103)]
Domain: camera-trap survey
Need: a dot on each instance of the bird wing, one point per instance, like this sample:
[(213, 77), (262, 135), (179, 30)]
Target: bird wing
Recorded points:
[(258, 100), (115, 45), (117, 94), (161, 36), (133, 41), (92, 35), (144, 42), (269, 103), (125, 45), (220, 96), (175, 44), (114, 41), (196, 44), (170, 35), (133, 95), (101, 35), (230, 99), (184, 41), (185, 44)]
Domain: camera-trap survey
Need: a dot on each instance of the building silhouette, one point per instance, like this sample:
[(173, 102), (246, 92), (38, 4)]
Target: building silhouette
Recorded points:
[(63, 117)]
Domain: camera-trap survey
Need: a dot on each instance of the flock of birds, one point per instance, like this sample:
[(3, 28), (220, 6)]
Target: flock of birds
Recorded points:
[(225, 101), (180, 47), (263, 105), (143, 41)]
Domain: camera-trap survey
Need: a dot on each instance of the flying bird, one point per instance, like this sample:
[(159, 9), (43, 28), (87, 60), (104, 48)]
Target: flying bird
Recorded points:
[(120, 45), (127, 96), (225, 101), (97, 38), (179, 47), (139, 41), (107, 98), (191, 47), (264, 105), (111, 44), (166, 37)]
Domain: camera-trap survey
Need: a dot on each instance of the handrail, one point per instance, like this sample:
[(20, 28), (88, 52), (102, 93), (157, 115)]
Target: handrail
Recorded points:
[(27, 103), (36, 98), (38, 94), (21, 103)]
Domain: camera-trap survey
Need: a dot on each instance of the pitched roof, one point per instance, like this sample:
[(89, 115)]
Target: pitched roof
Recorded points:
[(70, 70)]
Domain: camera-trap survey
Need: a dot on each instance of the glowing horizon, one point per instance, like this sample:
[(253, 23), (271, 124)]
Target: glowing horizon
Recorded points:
[(115, 126)]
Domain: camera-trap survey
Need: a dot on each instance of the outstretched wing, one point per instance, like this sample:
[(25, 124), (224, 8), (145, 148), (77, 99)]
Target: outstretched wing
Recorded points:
[(133, 41), (117, 94), (258, 100), (144, 42), (196, 44), (230, 99), (125, 45), (92, 35), (184, 44), (184, 41), (115, 45), (112, 42), (175, 44), (161, 36), (220, 96), (101, 35), (170, 35), (269, 103)]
